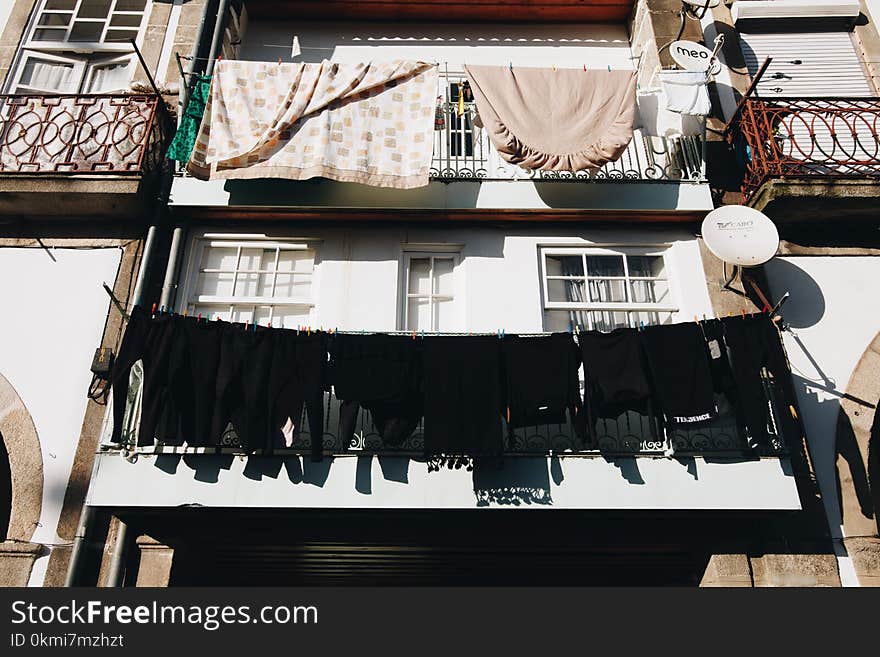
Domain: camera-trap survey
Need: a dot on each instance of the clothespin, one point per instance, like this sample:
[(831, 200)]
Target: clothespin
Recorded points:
[(309, 331), (743, 312), (246, 324), (413, 335), (279, 61), (510, 65), (641, 326), (554, 68), (609, 68), (704, 317), (153, 311), (184, 312), (585, 68), (729, 314), (696, 319), (199, 318), (255, 327)]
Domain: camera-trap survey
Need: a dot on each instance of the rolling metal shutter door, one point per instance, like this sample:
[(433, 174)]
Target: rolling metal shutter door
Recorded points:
[(830, 65)]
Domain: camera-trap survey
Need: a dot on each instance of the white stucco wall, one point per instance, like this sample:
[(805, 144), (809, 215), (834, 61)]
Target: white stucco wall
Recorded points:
[(54, 315), (5, 10), (834, 317)]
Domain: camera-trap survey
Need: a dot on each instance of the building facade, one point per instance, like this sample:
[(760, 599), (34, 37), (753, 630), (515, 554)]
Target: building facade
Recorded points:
[(485, 247)]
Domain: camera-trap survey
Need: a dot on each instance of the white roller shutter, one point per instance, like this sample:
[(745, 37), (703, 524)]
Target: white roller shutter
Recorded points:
[(829, 64)]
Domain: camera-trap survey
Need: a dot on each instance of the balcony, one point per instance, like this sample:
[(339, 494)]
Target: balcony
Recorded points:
[(98, 150), (463, 151), (809, 157)]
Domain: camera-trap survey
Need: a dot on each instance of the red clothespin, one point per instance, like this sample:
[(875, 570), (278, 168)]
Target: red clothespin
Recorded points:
[(743, 312), (153, 312), (413, 335), (585, 67), (200, 317), (279, 61)]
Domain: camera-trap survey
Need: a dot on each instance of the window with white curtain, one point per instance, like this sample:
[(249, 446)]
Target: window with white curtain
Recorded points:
[(603, 288), (79, 46), (428, 296), (268, 283)]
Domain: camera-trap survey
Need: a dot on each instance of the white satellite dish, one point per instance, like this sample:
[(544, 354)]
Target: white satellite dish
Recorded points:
[(691, 55), (701, 4), (740, 235)]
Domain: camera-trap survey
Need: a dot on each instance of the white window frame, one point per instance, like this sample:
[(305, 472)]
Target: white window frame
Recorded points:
[(448, 251), (85, 55), (200, 241), (609, 306), (87, 46)]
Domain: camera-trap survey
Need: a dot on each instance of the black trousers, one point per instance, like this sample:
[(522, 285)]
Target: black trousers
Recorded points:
[(754, 344)]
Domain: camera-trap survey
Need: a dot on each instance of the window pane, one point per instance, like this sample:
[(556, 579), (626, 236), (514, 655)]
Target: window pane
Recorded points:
[(649, 266), (126, 20), (291, 316), (263, 315), (109, 78), (215, 284), (650, 292), (250, 259), (570, 290), (49, 35), (120, 35), (444, 319), (607, 290), (602, 265), (60, 4), (565, 265), (298, 261), (246, 285), (130, 5), (210, 311), (243, 314), (565, 320), (443, 276), (418, 316), (93, 9), (419, 275), (219, 257), (608, 321), (292, 285), (51, 76), (57, 20), (86, 31)]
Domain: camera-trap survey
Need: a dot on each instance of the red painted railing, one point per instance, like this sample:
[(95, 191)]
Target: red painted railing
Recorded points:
[(81, 134), (806, 138)]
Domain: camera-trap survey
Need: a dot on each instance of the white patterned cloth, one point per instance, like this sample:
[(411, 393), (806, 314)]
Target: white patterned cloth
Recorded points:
[(369, 123)]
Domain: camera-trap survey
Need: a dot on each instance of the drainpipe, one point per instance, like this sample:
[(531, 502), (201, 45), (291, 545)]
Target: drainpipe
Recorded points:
[(170, 284), (166, 180)]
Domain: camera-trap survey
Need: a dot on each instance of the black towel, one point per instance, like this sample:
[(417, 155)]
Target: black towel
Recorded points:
[(754, 343), (679, 361), (462, 382), (381, 373), (615, 372), (541, 375)]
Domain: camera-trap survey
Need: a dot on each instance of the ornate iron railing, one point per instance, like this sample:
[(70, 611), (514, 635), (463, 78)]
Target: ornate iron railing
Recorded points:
[(462, 151), (627, 435), (76, 134), (806, 137)]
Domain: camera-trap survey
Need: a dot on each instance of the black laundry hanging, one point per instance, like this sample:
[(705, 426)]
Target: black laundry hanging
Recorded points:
[(615, 372), (381, 373), (680, 372), (462, 383), (541, 379), (151, 341), (754, 344)]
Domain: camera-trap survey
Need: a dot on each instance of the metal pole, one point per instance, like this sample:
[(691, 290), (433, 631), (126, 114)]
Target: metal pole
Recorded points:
[(745, 96), (115, 574), (170, 283), (218, 29)]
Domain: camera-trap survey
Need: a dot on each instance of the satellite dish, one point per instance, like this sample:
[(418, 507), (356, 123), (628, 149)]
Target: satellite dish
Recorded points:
[(702, 4), (691, 55), (740, 235)]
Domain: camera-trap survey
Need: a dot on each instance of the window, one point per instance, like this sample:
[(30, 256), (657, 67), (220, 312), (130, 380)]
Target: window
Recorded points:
[(604, 288), (428, 298), (79, 46), (268, 283)]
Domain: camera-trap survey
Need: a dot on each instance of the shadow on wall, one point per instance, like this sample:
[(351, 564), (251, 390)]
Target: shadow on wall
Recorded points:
[(806, 305), (847, 447), (874, 467)]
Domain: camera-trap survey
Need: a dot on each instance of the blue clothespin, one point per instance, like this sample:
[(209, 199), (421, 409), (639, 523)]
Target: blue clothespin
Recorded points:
[(510, 65), (502, 333), (609, 68), (641, 326)]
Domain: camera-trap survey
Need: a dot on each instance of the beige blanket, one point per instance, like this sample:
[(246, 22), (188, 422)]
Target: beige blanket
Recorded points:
[(369, 123), (555, 120)]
